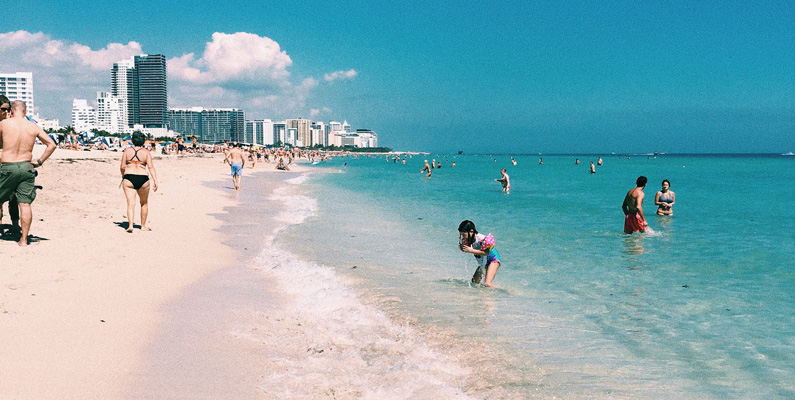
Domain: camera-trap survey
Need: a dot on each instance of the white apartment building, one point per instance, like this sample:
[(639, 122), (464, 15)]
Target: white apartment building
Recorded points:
[(260, 132), (121, 83), (18, 86), (84, 117), (48, 124), (110, 113)]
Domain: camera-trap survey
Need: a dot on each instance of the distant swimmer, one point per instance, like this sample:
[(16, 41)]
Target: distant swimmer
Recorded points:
[(427, 168), (505, 181), (599, 161), (483, 248), (577, 162), (634, 220), (540, 161), (593, 168), (665, 199), (453, 164), (513, 161)]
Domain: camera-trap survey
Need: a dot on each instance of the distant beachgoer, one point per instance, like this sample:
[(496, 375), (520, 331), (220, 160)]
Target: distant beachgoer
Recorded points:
[(540, 161), (17, 174), (237, 161), (505, 181), (599, 161), (483, 248), (136, 170), (513, 161), (427, 168), (593, 168), (280, 166), (665, 199), (577, 162), (634, 220), (453, 164)]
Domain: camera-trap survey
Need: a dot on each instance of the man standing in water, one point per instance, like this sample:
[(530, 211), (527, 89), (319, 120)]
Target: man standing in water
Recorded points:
[(17, 177), (634, 220), (237, 161)]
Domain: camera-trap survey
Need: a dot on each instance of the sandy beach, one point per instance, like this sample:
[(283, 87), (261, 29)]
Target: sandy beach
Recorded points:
[(78, 306), (204, 306)]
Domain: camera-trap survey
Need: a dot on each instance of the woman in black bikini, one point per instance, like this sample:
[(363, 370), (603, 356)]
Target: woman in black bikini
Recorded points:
[(136, 170)]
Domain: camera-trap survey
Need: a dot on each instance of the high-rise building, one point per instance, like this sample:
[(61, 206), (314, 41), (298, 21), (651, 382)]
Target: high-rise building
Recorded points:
[(151, 102), (280, 133), (109, 113), (186, 121), (140, 83), (209, 125), (18, 86), (83, 116), (124, 84), (303, 129), (260, 132)]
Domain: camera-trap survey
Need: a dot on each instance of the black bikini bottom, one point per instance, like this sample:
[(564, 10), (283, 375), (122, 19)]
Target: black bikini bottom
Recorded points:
[(137, 180)]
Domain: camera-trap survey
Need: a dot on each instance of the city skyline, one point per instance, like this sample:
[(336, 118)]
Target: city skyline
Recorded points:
[(488, 77)]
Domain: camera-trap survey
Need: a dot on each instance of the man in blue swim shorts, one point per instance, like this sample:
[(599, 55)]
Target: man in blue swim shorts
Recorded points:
[(237, 161)]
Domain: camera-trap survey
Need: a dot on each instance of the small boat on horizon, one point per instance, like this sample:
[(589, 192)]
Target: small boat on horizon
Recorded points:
[(789, 154)]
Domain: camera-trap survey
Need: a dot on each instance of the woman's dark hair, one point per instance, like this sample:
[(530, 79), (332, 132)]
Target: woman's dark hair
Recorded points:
[(666, 180), (466, 226), (138, 138)]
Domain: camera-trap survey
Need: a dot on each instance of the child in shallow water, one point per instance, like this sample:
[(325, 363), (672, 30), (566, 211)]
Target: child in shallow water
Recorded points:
[(483, 248)]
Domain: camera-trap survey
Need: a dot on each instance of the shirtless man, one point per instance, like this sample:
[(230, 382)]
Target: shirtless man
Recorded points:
[(237, 161), (13, 208), (17, 177), (427, 168), (505, 181), (634, 220)]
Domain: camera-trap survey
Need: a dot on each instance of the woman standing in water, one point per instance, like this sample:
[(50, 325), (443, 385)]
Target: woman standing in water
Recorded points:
[(665, 199)]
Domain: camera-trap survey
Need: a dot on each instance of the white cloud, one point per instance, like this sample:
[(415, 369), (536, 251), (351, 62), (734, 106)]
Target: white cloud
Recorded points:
[(240, 70), (318, 111), (234, 57), (337, 75)]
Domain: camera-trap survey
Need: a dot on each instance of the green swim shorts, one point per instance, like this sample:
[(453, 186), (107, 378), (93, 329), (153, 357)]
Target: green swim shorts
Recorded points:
[(18, 178)]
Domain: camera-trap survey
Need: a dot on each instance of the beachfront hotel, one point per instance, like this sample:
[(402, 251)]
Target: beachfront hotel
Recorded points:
[(18, 86)]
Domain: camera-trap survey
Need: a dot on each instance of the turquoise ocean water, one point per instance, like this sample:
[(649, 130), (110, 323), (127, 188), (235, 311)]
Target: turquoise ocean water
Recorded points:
[(702, 307)]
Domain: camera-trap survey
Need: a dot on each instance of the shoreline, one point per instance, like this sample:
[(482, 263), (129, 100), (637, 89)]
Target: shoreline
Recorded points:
[(291, 348), (79, 304)]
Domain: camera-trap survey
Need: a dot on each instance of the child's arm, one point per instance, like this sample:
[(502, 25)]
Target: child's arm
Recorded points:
[(470, 249)]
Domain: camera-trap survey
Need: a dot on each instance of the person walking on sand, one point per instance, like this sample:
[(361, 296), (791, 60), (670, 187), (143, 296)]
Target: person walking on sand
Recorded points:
[(634, 220), (136, 170), (505, 181), (236, 159), (665, 199), (483, 248), (17, 176)]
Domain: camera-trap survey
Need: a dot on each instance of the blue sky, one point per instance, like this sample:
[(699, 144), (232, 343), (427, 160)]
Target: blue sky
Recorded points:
[(479, 76)]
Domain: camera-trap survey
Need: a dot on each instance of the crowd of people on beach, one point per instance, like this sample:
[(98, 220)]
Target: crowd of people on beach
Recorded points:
[(19, 134)]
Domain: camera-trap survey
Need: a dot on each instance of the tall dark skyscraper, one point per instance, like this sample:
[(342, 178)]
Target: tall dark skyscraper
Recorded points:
[(140, 83), (152, 101)]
